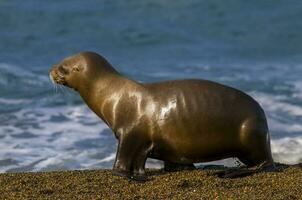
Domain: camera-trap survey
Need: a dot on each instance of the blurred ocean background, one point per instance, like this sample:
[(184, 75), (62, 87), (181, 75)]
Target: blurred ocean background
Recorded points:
[(255, 46)]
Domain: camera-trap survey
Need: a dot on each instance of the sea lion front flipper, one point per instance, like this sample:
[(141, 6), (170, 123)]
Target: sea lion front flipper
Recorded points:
[(117, 172), (131, 156), (129, 175)]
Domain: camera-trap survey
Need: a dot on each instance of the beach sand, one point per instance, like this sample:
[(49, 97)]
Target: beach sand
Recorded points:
[(196, 184)]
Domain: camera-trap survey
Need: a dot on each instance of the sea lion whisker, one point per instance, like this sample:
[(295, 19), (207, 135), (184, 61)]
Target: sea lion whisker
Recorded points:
[(61, 88), (54, 84), (56, 88), (68, 92)]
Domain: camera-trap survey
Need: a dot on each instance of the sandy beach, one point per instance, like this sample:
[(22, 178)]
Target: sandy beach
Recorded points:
[(196, 184)]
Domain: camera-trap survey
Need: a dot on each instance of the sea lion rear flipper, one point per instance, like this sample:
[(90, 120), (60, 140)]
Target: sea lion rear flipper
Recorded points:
[(243, 171)]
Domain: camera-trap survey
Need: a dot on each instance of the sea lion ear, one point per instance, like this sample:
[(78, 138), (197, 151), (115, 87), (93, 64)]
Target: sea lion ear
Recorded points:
[(77, 68)]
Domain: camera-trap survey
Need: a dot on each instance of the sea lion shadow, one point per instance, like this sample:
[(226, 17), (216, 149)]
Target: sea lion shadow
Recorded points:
[(224, 172), (243, 171), (155, 172)]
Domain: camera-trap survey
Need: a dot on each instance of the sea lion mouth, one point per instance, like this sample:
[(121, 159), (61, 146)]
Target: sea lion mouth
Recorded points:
[(57, 78)]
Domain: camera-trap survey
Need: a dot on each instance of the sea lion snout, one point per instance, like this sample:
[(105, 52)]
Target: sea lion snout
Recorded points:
[(80, 70), (57, 75)]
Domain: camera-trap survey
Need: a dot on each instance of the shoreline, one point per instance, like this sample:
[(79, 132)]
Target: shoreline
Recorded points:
[(195, 184)]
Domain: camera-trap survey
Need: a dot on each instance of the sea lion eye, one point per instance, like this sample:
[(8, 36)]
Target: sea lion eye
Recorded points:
[(76, 68)]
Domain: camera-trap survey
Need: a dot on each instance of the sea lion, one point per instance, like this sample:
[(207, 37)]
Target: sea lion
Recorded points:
[(180, 122)]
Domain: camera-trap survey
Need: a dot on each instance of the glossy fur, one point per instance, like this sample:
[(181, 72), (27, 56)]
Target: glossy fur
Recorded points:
[(180, 122)]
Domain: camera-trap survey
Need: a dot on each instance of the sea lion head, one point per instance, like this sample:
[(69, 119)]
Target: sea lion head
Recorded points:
[(79, 70)]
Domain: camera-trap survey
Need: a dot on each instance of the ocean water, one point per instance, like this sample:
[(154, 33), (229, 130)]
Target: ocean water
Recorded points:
[(253, 46)]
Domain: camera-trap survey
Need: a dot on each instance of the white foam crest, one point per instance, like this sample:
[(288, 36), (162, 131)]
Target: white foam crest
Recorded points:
[(298, 89), (71, 116), (13, 101), (278, 112), (95, 163), (23, 73), (52, 142), (287, 150), (111, 157), (13, 69), (71, 160), (273, 103), (277, 126)]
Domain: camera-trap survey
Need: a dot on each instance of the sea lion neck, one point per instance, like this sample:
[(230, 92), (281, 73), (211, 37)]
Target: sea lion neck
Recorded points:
[(103, 93), (98, 84)]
